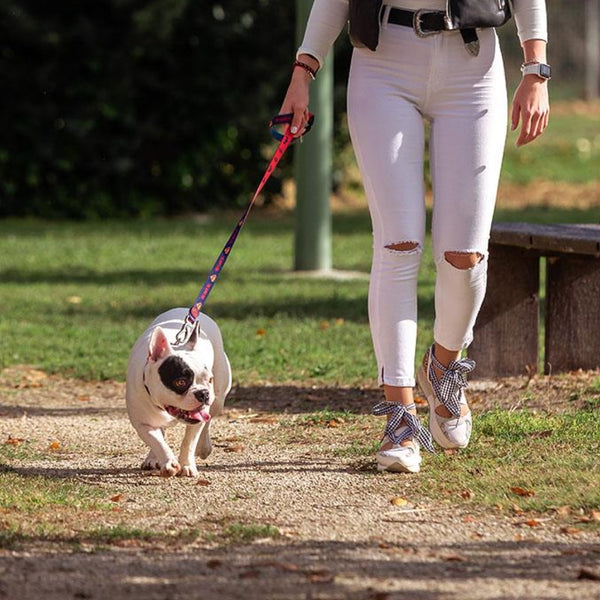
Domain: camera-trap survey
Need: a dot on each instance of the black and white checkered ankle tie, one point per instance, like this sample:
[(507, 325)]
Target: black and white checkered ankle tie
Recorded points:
[(399, 413), (454, 380)]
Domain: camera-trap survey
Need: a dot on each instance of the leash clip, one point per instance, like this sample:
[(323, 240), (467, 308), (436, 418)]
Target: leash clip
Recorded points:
[(184, 333)]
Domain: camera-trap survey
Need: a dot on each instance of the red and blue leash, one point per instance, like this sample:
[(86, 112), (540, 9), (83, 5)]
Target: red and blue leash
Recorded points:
[(285, 140)]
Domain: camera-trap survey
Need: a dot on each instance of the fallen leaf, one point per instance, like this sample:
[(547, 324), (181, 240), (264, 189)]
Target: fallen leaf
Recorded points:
[(420, 401), (289, 567), (586, 573), (213, 563), (542, 434), (250, 574), (333, 423), (454, 558), (235, 448), (339, 321), (572, 552), (467, 494), (118, 498), (261, 332), (269, 420), (83, 398), (324, 325), (398, 501), (469, 519), (570, 530), (519, 491), (532, 523), (563, 511), (595, 515), (54, 446), (128, 543), (203, 482), (321, 577), (11, 441), (313, 398)]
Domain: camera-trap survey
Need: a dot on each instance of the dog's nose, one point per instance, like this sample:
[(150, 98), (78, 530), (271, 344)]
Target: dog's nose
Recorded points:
[(202, 396)]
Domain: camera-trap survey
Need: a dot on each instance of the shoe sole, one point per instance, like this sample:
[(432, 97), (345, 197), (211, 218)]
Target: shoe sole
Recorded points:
[(398, 468), (436, 431)]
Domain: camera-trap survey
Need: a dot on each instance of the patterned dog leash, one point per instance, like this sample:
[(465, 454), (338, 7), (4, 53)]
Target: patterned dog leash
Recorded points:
[(285, 140)]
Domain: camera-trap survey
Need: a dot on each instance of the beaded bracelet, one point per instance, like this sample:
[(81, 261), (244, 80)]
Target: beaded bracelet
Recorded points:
[(312, 72)]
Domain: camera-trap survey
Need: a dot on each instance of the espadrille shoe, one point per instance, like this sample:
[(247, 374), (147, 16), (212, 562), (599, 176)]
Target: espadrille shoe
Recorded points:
[(449, 391), (402, 426)]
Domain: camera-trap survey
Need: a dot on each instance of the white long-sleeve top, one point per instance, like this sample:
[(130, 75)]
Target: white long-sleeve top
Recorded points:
[(329, 17)]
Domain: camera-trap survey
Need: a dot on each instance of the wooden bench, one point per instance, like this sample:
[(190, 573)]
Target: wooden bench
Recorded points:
[(507, 332)]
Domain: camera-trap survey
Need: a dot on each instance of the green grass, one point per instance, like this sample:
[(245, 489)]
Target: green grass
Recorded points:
[(244, 533), (33, 494), (554, 457), (75, 296), (569, 151)]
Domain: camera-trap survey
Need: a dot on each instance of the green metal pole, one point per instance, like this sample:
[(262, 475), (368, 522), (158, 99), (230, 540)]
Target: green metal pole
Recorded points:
[(312, 164)]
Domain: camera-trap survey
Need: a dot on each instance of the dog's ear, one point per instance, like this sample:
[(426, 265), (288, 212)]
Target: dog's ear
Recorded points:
[(159, 345)]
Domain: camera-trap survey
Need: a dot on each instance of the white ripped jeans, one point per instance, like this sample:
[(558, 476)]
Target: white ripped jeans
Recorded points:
[(390, 92)]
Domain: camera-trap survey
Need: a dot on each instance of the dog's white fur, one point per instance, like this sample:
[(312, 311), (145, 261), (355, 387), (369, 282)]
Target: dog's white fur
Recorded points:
[(147, 396)]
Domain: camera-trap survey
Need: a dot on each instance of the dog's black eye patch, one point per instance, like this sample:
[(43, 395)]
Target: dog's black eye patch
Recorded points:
[(176, 375)]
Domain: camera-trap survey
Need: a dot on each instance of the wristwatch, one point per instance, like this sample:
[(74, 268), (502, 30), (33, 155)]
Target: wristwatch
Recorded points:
[(537, 68)]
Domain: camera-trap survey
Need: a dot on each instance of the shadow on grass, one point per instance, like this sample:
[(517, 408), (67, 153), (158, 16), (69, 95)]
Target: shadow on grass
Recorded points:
[(301, 400)]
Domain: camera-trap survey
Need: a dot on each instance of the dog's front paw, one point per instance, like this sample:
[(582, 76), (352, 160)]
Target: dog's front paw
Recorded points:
[(150, 463), (170, 469), (188, 471)]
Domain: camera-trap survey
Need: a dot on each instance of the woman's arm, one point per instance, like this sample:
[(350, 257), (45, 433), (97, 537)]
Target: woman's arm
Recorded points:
[(530, 103), (327, 19)]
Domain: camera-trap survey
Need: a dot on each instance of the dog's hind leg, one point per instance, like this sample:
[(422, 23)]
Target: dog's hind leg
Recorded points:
[(204, 447)]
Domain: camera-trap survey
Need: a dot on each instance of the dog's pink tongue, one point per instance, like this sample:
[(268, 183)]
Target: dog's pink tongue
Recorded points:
[(200, 415)]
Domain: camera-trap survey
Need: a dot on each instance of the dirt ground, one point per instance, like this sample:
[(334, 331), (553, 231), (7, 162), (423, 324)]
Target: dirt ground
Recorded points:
[(336, 533)]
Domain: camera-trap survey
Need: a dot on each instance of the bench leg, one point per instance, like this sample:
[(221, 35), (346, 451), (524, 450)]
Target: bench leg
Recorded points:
[(506, 335), (572, 313)]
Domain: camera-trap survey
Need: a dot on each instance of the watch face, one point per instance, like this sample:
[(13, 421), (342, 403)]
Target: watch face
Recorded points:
[(545, 71)]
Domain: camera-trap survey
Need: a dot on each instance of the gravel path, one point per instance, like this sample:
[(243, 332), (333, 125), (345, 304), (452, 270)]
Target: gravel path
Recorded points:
[(335, 531)]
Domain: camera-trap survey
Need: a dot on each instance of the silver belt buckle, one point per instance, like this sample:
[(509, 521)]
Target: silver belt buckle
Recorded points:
[(417, 23)]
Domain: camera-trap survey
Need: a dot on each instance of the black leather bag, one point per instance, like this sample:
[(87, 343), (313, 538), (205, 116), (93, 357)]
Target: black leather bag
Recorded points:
[(364, 18), (363, 26), (470, 14)]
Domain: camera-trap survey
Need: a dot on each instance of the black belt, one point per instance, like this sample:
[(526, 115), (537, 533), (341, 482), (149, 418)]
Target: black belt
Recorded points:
[(430, 22)]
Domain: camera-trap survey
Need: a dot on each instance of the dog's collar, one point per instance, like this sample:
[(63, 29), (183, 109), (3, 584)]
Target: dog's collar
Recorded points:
[(144, 379)]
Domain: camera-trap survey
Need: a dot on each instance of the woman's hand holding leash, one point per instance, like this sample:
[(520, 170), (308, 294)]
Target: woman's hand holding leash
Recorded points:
[(297, 96)]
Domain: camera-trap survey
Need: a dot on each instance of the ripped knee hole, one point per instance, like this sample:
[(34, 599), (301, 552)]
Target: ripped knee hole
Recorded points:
[(403, 246), (463, 260)]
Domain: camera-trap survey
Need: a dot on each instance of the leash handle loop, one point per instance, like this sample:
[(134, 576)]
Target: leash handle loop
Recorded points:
[(284, 141), (284, 119)]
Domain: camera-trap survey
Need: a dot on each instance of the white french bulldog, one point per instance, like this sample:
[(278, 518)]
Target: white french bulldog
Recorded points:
[(168, 383)]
